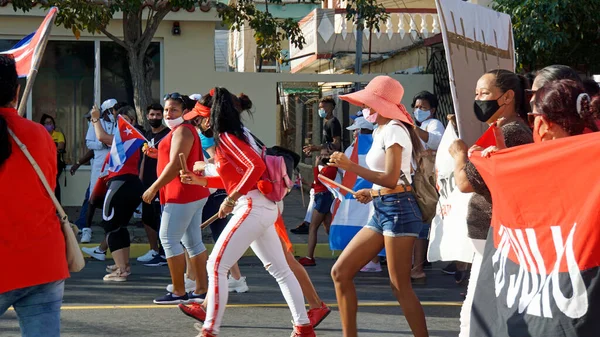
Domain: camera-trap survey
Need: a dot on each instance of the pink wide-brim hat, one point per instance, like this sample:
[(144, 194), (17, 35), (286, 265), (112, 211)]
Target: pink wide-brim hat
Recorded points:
[(383, 94)]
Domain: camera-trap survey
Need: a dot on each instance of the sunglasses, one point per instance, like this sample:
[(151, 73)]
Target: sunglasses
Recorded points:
[(531, 117), (175, 95)]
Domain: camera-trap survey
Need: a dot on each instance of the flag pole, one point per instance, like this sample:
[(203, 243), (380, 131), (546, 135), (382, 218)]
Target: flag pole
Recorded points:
[(37, 59)]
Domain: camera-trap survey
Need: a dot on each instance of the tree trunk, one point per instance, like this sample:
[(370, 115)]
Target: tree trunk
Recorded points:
[(141, 68)]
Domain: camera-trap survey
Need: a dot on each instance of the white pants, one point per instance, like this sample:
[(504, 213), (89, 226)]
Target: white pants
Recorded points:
[(465, 311), (311, 205), (250, 226)]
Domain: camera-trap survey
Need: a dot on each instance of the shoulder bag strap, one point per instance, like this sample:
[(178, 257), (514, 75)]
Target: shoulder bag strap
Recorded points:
[(38, 170)]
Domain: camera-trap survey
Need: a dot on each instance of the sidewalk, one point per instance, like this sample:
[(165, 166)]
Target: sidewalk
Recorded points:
[(293, 215)]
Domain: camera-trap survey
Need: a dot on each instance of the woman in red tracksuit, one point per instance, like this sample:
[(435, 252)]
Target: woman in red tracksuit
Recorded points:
[(240, 168)]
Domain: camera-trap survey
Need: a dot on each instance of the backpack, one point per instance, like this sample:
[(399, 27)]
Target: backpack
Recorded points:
[(280, 163), (424, 186)]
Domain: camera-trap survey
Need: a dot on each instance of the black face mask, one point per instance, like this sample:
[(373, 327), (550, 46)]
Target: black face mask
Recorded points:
[(155, 123), (484, 110), (208, 133)]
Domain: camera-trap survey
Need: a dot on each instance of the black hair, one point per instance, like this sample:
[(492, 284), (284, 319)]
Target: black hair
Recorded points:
[(591, 87), (46, 116), (188, 102), (530, 76), (426, 96), (119, 105), (224, 117), (154, 106), (556, 72), (328, 99), (507, 80), (206, 100), (9, 85)]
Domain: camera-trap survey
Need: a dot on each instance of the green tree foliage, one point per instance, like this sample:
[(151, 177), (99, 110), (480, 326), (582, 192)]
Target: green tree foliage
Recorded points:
[(269, 32), (139, 29), (555, 32)]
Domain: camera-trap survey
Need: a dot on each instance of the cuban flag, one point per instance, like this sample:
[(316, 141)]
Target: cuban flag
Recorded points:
[(127, 140), (349, 215), (26, 51)]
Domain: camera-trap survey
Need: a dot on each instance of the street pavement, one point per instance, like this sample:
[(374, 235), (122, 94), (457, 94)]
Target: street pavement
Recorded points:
[(95, 308)]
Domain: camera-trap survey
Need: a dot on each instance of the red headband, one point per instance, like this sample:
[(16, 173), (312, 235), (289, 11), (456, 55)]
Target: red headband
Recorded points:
[(201, 110), (212, 92)]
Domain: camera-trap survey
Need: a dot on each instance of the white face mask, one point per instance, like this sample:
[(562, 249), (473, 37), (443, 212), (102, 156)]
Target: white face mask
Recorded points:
[(173, 123)]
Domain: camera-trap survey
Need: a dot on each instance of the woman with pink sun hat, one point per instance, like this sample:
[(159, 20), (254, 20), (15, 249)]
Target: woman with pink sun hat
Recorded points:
[(397, 220)]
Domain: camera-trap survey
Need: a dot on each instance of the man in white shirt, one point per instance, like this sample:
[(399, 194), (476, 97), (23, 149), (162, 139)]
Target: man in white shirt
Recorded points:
[(108, 122), (430, 131)]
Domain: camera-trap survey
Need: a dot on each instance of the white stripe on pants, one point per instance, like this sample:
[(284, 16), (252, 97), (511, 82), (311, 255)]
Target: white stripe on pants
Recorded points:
[(465, 311), (251, 226)]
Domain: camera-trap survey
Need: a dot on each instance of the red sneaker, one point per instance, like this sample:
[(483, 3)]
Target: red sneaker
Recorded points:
[(194, 310), (317, 315), (307, 261), (303, 331)]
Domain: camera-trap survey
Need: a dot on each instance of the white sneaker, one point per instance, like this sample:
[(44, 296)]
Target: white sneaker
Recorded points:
[(148, 256), (95, 253), (190, 285), (86, 235), (371, 268), (239, 286)]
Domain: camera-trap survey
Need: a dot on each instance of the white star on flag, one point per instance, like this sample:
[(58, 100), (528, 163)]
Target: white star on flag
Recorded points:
[(128, 131)]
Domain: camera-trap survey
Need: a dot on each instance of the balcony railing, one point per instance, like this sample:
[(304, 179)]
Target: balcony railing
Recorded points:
[(328, 34)]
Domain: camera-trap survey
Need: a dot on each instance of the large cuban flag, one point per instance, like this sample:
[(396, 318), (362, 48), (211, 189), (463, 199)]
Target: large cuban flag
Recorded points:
[(127, 141), (349, 216), (28, 49)]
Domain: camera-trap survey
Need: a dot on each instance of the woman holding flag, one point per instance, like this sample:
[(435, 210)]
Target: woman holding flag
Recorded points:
[(123, 189), (500, 102), (397, 221)]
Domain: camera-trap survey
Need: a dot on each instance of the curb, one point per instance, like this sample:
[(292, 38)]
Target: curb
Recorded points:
[(138, 249)]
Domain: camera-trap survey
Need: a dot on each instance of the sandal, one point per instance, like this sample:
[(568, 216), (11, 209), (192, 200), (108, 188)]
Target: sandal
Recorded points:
[(117, 276)]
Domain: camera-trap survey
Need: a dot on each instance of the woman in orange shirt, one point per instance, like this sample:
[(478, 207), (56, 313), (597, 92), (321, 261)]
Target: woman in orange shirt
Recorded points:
[(29, 227)]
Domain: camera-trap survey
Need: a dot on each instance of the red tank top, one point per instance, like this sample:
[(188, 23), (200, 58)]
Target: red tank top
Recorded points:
[(175, 192)]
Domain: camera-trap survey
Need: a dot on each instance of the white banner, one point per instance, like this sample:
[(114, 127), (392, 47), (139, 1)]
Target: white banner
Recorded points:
[(448, 240)]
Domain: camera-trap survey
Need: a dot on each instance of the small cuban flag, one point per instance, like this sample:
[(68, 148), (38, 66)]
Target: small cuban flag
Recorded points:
[(350, 216), (127, 141)]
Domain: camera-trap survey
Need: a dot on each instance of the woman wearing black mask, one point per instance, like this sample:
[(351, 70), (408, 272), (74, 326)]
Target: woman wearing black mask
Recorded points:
[(500, 101)]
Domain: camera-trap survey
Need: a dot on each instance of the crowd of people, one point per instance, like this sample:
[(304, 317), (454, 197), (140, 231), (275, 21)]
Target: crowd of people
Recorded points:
[(222, 174)]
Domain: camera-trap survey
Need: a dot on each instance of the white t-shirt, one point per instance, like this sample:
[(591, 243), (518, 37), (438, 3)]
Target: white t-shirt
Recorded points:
[(436, 131), (383, 138)]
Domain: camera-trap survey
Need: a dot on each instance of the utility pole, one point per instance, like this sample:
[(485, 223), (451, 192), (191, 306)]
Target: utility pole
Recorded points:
[(359, 47)]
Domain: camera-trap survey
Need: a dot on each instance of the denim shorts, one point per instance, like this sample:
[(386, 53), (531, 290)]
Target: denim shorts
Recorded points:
[(396, 215), (323, 201), (424, 233)]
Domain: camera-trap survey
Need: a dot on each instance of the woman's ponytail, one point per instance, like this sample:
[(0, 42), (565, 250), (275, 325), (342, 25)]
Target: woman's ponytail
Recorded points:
[(590, 112), (5, 144)]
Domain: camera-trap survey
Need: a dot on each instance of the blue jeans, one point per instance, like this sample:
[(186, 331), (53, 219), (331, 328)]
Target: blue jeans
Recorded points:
[(396, 215), (80, 222), (38, 308)]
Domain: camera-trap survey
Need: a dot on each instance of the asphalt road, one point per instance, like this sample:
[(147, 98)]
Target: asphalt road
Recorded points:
[(94, 308)]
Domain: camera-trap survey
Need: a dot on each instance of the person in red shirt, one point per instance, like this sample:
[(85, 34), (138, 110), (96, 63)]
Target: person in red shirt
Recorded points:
[(182, 204), (29, 228), (200, 116), (123, 195), (240, 168), (321, 209)]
